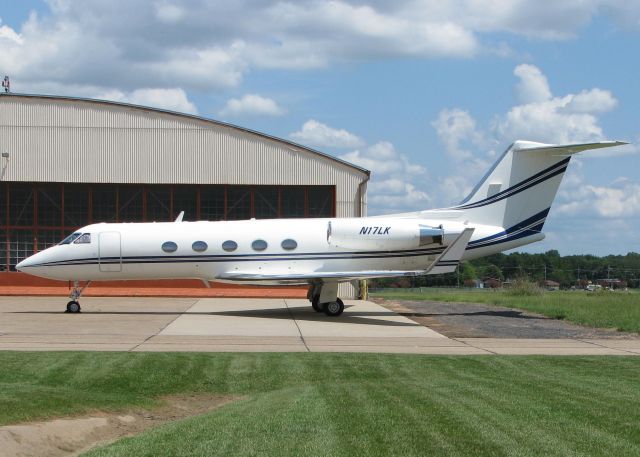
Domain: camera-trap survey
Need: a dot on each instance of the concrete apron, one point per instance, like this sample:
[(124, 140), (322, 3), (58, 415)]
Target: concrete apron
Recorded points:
[(249, 325)]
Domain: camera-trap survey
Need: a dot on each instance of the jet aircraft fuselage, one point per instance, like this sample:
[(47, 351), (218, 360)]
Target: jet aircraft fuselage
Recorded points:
[(507, 209)]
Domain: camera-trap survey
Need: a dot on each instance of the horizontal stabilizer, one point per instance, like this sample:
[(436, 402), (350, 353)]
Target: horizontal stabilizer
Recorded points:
[(450, 258), (564, 149)]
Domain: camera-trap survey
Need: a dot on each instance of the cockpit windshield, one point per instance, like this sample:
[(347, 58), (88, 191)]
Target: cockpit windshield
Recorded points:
[(77, 238), (85, 238), (71, 238)]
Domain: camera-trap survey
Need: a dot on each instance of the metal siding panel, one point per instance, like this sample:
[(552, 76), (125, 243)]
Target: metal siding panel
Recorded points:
[(62, 140)]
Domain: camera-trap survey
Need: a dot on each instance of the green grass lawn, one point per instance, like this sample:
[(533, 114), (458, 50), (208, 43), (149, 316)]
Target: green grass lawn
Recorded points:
[(344, 404), (617, 310)]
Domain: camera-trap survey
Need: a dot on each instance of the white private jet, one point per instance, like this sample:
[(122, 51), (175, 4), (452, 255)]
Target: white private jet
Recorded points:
[(506, 209)]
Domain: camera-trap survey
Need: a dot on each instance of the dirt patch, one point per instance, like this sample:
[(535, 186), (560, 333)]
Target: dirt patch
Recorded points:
[(472, 320), (73, 436)]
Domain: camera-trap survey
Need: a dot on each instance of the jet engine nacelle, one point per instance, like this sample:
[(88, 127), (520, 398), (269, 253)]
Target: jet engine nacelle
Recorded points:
[(379, 233)]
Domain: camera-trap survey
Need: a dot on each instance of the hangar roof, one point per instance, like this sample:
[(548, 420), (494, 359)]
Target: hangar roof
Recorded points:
[(188, 116)]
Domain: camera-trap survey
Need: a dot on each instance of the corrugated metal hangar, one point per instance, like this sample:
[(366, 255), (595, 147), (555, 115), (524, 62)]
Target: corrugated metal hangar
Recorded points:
[(68, 162)]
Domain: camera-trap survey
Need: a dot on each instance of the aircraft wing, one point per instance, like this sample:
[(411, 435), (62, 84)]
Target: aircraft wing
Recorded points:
[(445, 263), (315, 276)]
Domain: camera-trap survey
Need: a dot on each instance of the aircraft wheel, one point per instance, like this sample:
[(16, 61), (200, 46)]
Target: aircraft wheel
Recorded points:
[(315, 304), (73, 307), (334, 308)]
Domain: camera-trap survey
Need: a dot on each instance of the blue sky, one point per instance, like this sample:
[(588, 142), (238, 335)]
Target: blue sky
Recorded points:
[(424, 93)]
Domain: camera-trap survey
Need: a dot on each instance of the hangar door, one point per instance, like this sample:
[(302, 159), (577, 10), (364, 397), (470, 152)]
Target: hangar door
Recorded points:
[(109, 252)]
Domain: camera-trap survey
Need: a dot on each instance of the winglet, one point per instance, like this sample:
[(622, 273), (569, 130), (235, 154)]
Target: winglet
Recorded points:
[(180, 216), (450, 258)]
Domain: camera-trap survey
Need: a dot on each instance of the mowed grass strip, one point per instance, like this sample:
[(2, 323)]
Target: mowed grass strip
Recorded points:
[(616, 310), (344, 404)]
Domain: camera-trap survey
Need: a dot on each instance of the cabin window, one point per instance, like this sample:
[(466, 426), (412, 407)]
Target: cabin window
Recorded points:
[(229, 245), (71, 238), (199, 246), (289, 244), (169, 246), (85, 238), (259, 245)]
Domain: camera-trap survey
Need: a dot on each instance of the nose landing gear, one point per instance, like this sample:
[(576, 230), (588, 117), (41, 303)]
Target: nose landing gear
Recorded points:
[(74, 306)]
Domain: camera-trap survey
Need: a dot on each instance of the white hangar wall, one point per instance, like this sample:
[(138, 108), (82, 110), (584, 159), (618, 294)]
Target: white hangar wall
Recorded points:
[(73, 140), (69, 140)]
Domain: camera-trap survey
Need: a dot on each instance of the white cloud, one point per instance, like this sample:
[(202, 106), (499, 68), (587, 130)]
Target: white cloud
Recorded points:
[(168, 12), (201, 69), (542, 117), (457, 131), (396, 184), (533, 86), (170, 99), (408, 199), (7, 34), (539, 116), (210, 45), (462, 139), (619, 200), (317, 134), (252, 105), (591, 101), (382, 158)]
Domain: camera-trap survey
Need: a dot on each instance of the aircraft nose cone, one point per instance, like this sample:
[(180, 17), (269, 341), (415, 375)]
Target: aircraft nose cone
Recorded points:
[(33, 262), (24, 264), (39, 264)]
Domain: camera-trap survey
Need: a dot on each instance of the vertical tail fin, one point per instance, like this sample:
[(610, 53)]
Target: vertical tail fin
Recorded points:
[(522, 184)]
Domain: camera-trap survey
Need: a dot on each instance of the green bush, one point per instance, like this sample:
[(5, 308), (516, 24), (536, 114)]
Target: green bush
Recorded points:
[(524, 288)]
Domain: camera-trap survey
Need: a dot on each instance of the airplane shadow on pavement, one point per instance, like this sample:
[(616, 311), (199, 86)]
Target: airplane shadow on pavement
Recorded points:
[(299, 314)]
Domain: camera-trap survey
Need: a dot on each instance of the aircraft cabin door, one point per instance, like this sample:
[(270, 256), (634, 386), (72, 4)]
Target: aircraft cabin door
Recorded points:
[(109, 252)]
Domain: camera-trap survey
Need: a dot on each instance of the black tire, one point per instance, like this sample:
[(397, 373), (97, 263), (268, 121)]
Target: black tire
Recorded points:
[(315, 304), (334, 308), (73, 307)]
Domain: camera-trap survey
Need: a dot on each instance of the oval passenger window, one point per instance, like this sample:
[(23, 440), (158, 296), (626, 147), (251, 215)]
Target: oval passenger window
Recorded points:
[(169, 246), (199, 246), (289, 244), (259, 245), (229, 245)]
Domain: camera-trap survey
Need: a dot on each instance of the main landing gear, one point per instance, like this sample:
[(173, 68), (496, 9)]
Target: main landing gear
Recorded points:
[(74, 306), (324, 299)]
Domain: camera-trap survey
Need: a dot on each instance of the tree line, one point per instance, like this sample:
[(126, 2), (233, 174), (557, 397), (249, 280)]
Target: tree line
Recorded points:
[(566, 270)]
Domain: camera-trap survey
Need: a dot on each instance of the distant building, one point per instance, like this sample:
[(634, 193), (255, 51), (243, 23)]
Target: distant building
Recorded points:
[(550, 284), (473, 283), (491, 283), (611, 283)]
